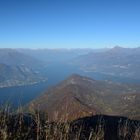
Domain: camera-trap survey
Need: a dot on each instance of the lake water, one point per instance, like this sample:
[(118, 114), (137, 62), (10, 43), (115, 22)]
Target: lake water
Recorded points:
[(55, 73)]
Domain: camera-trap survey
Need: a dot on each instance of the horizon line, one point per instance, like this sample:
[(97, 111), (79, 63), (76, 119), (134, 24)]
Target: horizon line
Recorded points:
[(45, 48)]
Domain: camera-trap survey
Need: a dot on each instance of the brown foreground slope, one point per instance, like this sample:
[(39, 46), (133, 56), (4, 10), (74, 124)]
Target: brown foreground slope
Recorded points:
[(79, 96)]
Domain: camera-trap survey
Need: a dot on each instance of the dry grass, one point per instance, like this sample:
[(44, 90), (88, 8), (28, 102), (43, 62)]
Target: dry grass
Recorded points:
[(18, 126)]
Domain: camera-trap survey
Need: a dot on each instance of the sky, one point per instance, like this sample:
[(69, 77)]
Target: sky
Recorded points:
[(69, 23)]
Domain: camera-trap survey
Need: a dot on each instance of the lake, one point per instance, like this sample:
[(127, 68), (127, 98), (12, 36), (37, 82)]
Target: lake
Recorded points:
[(55, 73)]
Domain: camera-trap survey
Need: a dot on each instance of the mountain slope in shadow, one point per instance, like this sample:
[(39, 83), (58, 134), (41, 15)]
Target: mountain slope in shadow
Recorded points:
[(106, 128)]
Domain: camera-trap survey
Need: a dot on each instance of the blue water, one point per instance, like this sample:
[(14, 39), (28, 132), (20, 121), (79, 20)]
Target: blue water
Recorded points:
[(55, 73), (20, 95)]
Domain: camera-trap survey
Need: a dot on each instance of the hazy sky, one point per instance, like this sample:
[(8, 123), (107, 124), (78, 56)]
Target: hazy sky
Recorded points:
[(69, 23)]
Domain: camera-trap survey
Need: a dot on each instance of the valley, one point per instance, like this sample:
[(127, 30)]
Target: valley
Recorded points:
[(28, 68), (70, 93)]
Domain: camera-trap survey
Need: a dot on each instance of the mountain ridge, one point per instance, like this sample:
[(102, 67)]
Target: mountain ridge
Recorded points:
[(79, 96)]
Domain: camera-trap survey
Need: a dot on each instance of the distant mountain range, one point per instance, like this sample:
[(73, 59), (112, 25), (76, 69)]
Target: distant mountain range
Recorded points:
[(17, 68), (17, 76), (15, 58), (27, 66), (116, 62), (55, 55), (79, 96)]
